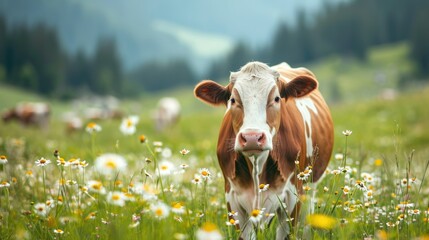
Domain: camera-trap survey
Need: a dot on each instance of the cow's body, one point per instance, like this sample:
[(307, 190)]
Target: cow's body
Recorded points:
[(276, 124), (27, 114)]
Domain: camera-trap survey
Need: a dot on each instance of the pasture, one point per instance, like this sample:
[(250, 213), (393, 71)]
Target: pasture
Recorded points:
[(376, 185)]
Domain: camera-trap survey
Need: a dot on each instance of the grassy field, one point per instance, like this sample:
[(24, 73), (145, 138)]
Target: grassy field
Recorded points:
[(107, 185)]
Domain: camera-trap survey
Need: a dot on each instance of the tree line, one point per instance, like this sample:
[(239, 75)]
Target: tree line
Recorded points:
[(32, 56), (348, 29)]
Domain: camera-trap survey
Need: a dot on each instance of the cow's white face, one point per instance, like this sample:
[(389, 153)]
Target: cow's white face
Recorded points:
[(255, 108)]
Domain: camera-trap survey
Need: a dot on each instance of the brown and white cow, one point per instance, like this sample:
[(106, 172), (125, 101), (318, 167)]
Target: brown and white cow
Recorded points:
[(275, 116), (29, 113)]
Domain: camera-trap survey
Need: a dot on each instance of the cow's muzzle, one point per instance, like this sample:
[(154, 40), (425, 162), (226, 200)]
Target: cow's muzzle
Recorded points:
[(252, 141)]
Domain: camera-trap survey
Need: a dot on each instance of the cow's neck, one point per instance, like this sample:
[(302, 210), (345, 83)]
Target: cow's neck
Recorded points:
[(257, 164)]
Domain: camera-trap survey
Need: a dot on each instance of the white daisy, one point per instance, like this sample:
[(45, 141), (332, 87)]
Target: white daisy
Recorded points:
[(160, 210), (110, 163), (42, 162), (116, 198)]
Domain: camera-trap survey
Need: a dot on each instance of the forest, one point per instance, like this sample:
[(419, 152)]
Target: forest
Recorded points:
[(33, 57)]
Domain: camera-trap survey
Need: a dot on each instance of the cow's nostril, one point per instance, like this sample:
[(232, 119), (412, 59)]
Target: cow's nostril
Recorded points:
[(243, 139), (261, 138)]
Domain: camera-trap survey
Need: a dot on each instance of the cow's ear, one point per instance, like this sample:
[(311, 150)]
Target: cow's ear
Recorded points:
[(297, 87), (212, 93)]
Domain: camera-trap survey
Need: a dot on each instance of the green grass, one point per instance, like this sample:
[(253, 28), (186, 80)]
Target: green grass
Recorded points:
[(388, 144)]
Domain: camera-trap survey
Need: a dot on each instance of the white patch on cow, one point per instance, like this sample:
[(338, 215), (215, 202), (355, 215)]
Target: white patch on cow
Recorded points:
[(304, 106), (253, 83)]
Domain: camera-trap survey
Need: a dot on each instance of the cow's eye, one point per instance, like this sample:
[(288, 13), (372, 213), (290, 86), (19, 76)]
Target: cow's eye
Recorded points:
[(277, 99), (232, 100)]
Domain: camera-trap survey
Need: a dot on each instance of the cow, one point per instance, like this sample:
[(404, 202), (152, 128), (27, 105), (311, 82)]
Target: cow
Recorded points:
[(167, 113), (276, 124), (29, 113)]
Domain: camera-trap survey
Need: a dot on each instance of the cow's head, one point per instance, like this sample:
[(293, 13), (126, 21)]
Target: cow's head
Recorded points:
[(254, 97)]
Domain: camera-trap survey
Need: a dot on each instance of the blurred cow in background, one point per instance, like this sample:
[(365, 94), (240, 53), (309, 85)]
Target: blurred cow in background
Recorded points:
[(73, 121), (98, 107), (167, 113), (29, 113)]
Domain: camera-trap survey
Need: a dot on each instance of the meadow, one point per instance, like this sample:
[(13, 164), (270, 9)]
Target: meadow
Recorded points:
[(99, 183)]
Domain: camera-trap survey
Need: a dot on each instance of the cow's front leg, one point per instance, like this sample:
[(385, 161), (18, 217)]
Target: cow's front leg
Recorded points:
[(236, 203)]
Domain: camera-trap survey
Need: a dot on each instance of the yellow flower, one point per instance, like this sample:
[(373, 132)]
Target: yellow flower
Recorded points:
[(378, 162), (382, 235), (208, 231), (321, 221)]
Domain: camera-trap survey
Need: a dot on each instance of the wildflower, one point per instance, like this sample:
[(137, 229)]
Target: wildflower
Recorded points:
[(3, 159), (165, 168), (116, 198), (335, 172), (378, 162), (62, 162), (404, 182), (184, 151), (160, 210), (360, 185), (232, 214), (367, 177), (232, 222), (413, 180), (128, 125), (339, 156), (208, 231), (321, 221), (41, 209), (73, 162), (4, 184), (197, 179), (346, 190), (157, 144), (29, 173), (414, 211), (166, 152), (325, 189), (368, 194), (58, 231), (180, 236), (142, 138), (346, 169), (91, 215), (42, 162), (256, 215), (96, 186), (178, 208), (306, 188), (93, 127), (147, 191), (347, 133), (382, 235), (205, 173), (50, 203), (401, 217), (263, 187), (390, 224), (184, 166), (110, 163)]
